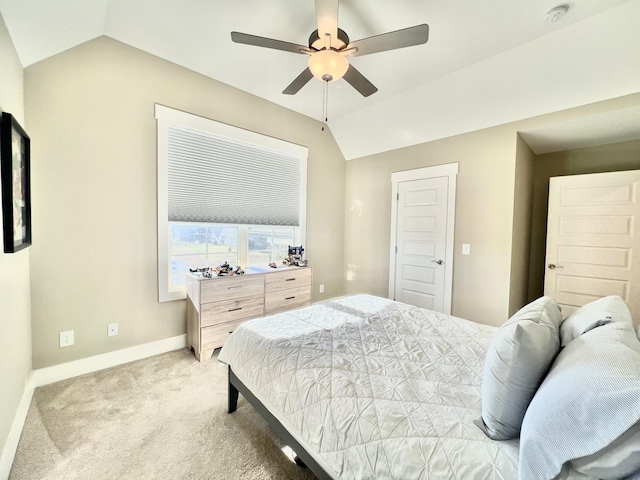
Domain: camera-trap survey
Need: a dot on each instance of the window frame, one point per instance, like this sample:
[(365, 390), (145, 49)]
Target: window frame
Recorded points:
[(166, 116)]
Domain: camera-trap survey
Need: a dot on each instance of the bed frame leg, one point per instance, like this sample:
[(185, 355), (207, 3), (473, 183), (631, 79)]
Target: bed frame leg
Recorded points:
[(232, 396)]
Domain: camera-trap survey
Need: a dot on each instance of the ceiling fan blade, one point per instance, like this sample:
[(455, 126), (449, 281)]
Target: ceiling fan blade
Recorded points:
[(299, 82), (359, 82), (256, 41), (327, 15), (406, 37)]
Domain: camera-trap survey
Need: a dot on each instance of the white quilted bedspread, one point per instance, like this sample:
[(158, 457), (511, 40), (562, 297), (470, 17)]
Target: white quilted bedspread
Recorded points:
[(375, 389)]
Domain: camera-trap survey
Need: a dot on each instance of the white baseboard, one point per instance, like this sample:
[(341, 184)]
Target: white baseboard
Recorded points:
[(45, 376), (11, 445)]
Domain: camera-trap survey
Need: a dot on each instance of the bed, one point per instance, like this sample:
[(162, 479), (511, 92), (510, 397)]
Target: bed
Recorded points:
[(372, 388), (364, 387)]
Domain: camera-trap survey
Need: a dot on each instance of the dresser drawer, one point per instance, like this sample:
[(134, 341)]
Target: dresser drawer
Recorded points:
[(227, 288), (232, 310), (215, 335), (274, 282), (287, 299)]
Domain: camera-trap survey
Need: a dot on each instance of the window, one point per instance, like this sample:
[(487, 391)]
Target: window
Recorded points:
[(224, 194), (269, 243), (196, 245)]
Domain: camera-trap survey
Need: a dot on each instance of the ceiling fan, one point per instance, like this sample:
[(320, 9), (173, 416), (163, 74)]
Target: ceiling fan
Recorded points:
[(329, 47)]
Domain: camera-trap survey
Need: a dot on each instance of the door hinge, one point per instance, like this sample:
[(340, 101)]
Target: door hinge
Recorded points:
[(397, 196), (396, 249)]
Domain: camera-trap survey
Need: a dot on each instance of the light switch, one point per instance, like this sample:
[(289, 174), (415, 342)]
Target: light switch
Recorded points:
[(466, 249)]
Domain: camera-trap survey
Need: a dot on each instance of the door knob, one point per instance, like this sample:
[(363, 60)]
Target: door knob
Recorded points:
[(439, 262), (553, 265)]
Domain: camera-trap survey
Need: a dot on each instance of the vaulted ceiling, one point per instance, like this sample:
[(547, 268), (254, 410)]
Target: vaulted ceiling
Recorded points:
[(486, 63)]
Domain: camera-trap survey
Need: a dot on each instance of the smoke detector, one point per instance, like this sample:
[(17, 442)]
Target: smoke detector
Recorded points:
[(553, 15)]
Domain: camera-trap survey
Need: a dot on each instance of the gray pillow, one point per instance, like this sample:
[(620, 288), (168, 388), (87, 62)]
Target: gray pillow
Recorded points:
[(592, 315), (589, 398), (517, 360)]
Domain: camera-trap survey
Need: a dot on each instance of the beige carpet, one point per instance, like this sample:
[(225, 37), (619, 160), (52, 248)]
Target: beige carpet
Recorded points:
[(163, 417)]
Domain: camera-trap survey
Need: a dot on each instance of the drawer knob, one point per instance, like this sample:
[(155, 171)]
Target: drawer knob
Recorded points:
[(290, 279), (235, 309), (290, 298), (235, 286)]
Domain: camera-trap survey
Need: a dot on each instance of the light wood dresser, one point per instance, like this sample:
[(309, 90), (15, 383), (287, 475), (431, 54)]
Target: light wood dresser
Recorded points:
[(217, 305)]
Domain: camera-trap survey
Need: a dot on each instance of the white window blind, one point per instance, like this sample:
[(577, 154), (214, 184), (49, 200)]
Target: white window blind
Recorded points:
[(210, 173), (218, 179)]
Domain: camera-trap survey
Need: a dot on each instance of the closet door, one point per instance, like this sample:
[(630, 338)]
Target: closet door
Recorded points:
[(421, 265), (593, 239)]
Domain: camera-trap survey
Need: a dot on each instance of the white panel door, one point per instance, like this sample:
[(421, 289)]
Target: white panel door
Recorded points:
[(592, 239), (421, 242)]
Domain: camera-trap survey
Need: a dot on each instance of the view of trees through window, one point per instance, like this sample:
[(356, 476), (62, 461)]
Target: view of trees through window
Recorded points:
[(202, 245)]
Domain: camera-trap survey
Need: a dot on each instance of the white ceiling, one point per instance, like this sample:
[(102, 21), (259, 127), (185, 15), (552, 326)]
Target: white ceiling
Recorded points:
[(597, 129), (470, 41)]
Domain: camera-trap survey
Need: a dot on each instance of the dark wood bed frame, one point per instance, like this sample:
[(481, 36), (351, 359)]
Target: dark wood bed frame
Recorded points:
[(236, 387)]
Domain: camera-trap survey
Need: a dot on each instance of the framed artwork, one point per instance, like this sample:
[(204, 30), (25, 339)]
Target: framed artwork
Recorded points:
[(15, 179)]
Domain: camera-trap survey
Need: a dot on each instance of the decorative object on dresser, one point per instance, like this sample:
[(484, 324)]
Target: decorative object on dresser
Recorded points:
[(217, 305), (220, 270), (294, 257)]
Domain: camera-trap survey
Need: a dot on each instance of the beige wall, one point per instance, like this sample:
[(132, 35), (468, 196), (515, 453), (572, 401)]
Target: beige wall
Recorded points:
[(603, 158), (484, 212), (521, 235), (497, 209), (15, 314), (91, 115)]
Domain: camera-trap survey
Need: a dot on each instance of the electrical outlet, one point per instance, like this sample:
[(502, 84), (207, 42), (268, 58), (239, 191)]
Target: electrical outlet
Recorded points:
[(66, 338), (322, 288), (112, 329)]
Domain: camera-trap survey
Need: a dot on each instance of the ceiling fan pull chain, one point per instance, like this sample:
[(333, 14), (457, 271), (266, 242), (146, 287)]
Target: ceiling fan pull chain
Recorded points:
[(324, 86), (325, 103)]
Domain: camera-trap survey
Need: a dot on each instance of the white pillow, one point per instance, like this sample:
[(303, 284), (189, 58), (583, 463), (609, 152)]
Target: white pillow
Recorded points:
[(594, 314), (619, 459), (589, 398), (517, 360)]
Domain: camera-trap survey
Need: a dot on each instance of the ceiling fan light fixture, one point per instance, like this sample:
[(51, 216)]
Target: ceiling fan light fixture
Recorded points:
[(328, 64)]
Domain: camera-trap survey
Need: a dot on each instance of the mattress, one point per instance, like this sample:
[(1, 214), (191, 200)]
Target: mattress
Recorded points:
[(374, 388)]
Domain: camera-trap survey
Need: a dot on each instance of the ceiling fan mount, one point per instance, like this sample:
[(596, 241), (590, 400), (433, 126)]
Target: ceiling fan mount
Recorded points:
[(329, 47), (338, 43)]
